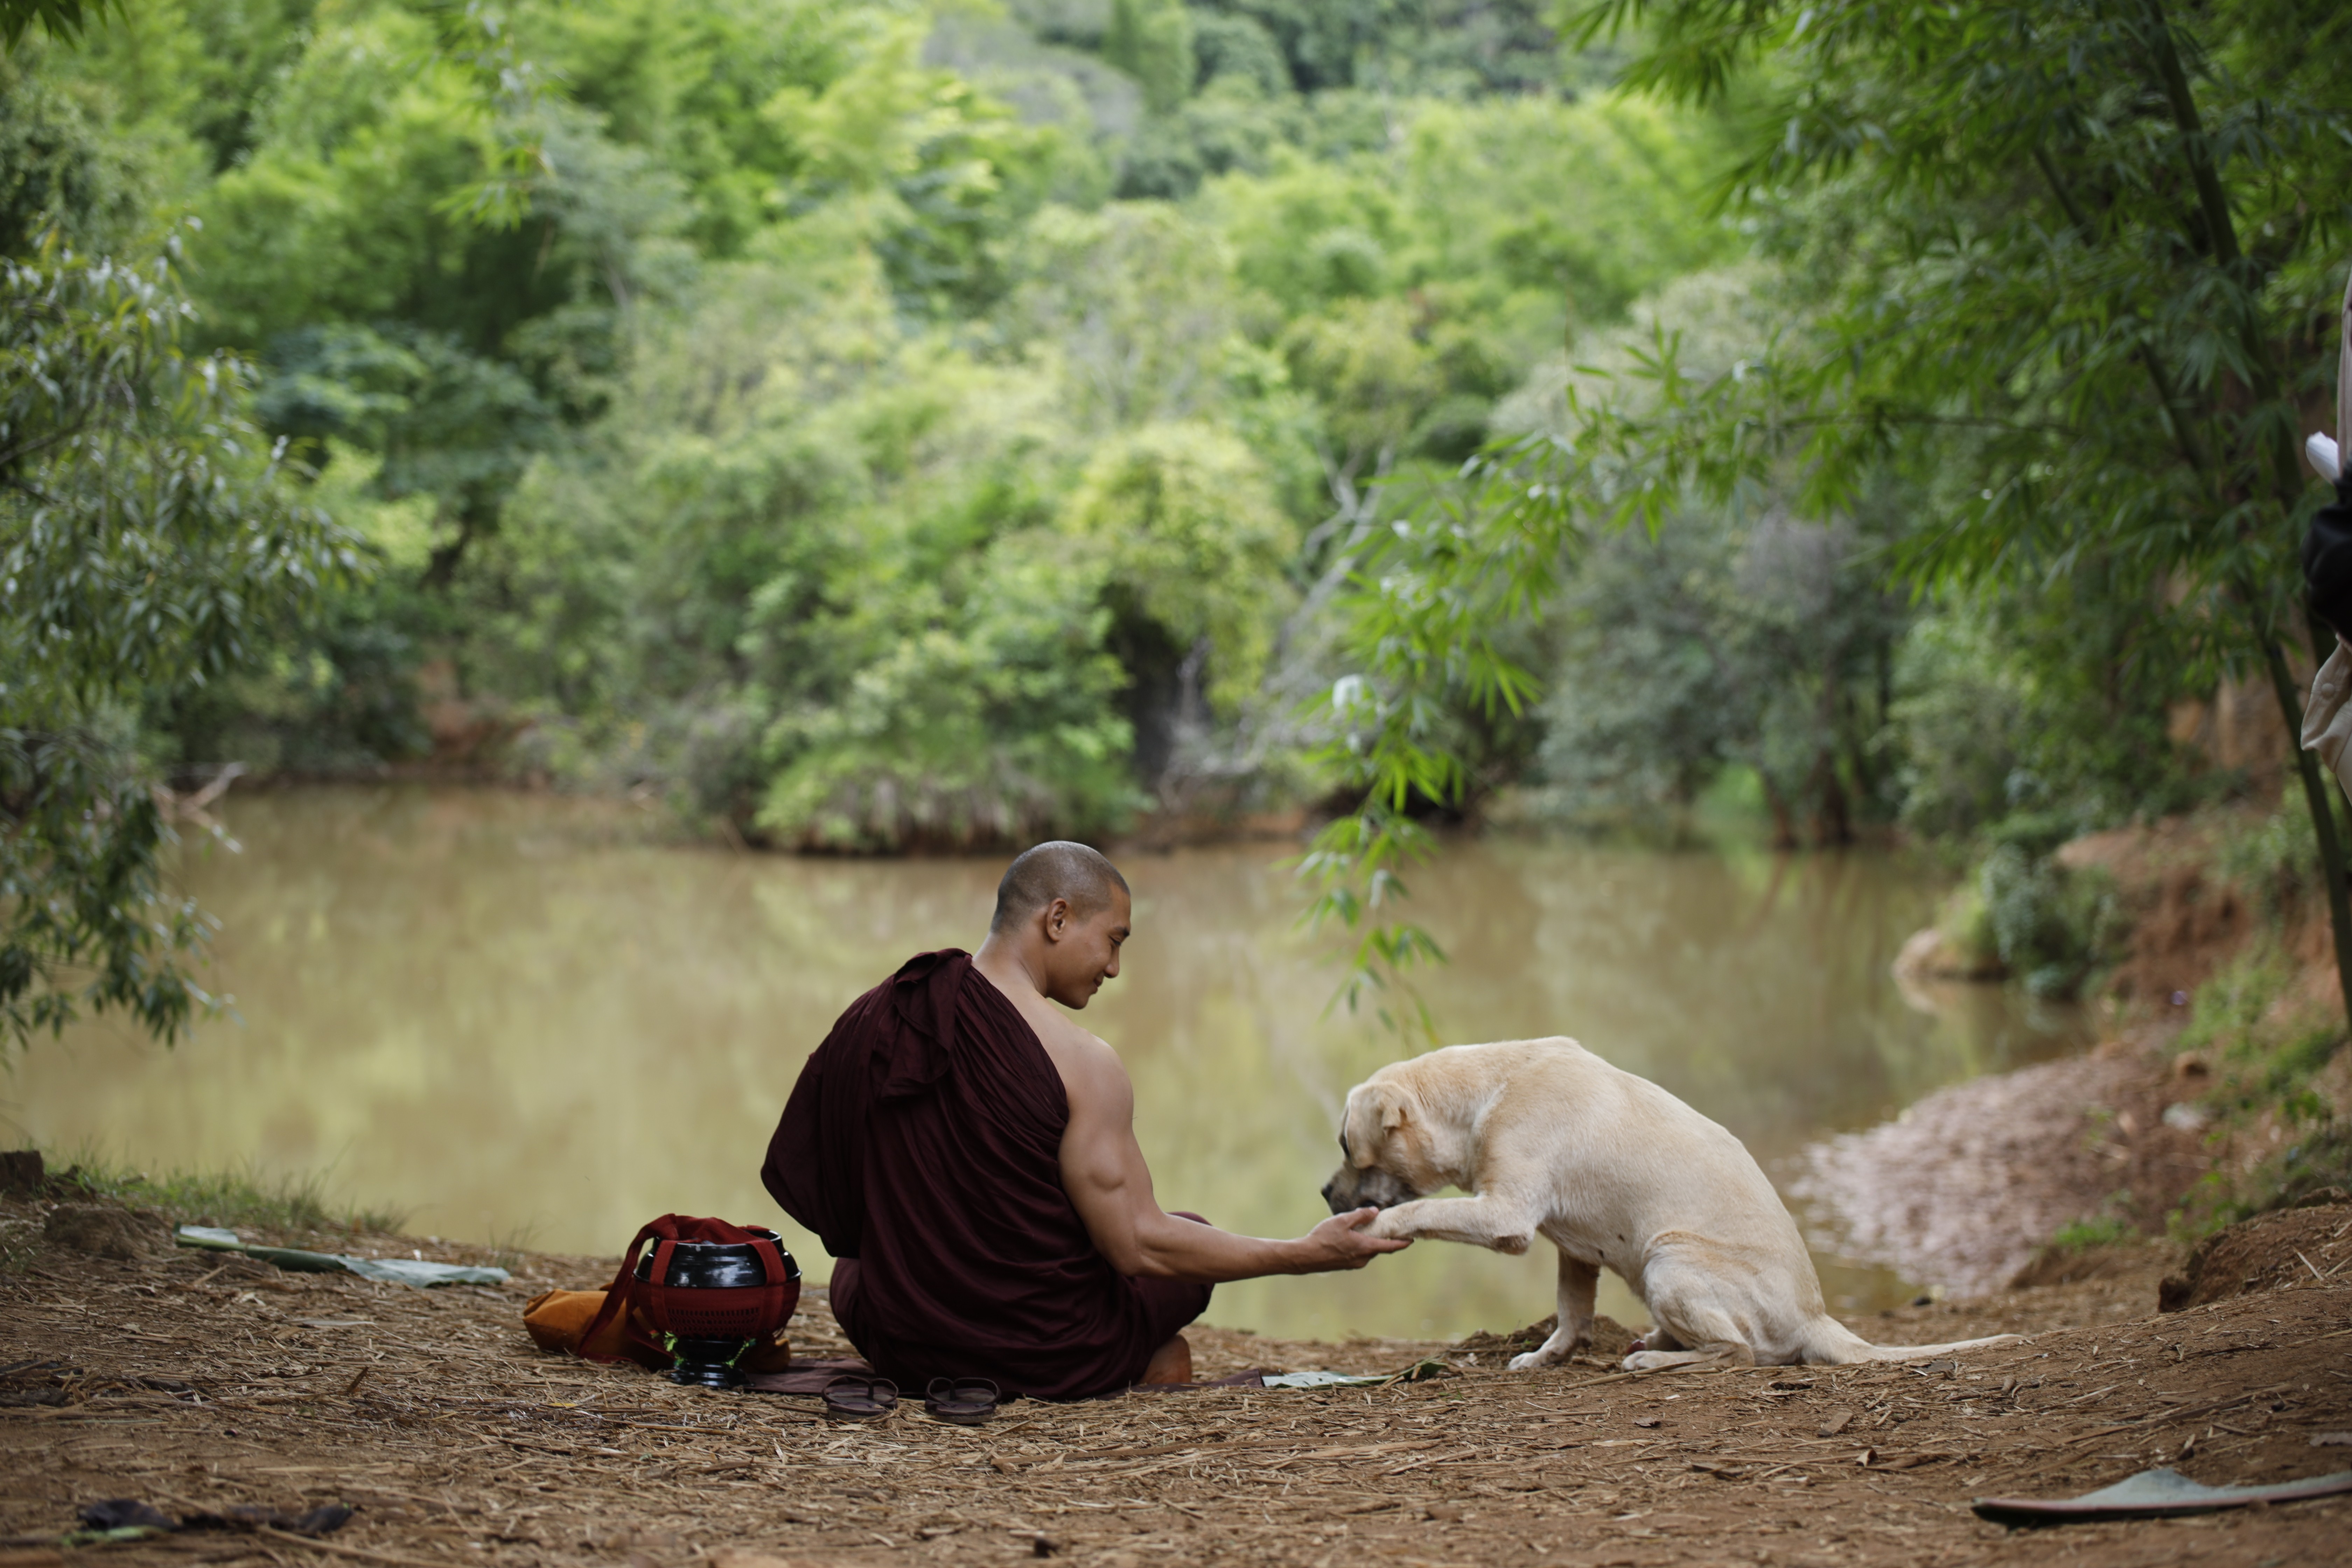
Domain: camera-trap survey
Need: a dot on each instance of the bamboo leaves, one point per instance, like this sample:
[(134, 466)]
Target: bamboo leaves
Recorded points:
[(2065, 269)]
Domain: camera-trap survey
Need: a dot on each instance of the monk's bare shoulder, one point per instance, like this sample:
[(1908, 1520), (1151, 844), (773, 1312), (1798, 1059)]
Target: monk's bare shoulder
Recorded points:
[(1089, 1067)]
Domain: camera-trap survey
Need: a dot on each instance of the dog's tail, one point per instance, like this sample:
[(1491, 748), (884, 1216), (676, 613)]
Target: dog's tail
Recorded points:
[(1832, 1343), (1926, 1352)]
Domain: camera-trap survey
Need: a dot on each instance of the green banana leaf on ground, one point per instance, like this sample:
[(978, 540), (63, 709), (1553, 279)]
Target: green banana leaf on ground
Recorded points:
[(390, 1270)]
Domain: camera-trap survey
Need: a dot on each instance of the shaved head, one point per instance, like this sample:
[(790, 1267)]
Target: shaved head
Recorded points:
[(1058, 869)]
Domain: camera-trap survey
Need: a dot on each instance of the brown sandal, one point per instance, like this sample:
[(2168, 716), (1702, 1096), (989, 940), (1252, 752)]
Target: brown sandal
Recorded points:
[(963, 1401), (857, 1397)]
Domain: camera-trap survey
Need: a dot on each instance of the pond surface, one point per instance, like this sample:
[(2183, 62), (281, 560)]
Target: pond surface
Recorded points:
[(527, 1019)]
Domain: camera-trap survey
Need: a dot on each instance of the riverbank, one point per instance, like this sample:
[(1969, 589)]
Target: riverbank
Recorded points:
[(193, 1384), (2220, 1087)]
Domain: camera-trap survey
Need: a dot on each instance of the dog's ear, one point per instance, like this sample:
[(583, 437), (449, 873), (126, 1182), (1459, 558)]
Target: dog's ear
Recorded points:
[(1359, 1127), (1374, 1110)]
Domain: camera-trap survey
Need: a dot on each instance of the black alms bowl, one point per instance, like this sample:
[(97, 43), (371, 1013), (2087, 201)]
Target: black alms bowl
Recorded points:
[(716, 1304)]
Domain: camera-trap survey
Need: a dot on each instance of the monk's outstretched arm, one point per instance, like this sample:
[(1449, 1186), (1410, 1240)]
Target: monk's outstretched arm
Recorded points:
[(1103, 1170)]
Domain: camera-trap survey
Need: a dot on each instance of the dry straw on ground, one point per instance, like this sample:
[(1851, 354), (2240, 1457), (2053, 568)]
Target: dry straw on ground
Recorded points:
[(195, 1384)]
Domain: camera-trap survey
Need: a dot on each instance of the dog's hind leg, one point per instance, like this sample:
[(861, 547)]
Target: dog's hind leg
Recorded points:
[(1577, 1283), (1697, 1321), (1722, 1353)]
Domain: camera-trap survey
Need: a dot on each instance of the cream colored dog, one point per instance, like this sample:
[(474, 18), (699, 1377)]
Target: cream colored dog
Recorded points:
[(1548, 1140)]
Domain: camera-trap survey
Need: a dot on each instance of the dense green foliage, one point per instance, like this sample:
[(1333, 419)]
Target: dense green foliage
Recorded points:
[(2059, 280), (876, 425), (146, 543), (59, 18), (878, 428)]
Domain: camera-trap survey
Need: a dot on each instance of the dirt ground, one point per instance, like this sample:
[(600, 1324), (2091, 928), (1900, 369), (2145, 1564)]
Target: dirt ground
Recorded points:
[(191, 1384)]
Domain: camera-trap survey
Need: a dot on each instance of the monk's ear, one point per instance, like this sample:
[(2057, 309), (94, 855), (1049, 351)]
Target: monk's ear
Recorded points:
[(1056, 917)]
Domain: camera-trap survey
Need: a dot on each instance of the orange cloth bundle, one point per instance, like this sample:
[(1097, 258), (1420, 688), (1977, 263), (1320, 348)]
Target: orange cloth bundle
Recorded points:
[(556, 1318)]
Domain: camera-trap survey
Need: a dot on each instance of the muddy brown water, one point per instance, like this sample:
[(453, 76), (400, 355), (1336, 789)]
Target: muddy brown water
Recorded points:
[(527, 1019)]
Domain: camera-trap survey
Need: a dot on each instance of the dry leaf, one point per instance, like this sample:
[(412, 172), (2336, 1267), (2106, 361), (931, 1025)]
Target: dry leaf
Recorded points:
[(1836, 1422)]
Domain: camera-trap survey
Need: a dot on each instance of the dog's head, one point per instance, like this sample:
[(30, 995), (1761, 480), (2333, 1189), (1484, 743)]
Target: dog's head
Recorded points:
[(1381, 1164)]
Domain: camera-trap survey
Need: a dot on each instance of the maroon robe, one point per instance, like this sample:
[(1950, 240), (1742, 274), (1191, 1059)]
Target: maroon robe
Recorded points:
[(922, 1144)]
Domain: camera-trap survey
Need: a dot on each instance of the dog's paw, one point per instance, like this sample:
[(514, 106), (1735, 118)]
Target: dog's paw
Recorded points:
[(1652, 1361), (1535, 1361)]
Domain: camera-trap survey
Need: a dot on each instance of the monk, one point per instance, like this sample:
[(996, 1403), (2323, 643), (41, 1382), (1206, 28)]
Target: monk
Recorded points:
[(967, 1155)]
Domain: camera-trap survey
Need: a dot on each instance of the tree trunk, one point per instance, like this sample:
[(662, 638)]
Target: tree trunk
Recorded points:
[(2323, 817), (441, 566), (1832, 818), (2229, 257), (1784, 822)]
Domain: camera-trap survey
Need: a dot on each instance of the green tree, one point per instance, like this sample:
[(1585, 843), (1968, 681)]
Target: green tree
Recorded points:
[(1764, 642), (1733, 635), (705, 380), (58, 169), (2069, 268), (1134, 301), (1151, 40), (1375, 379), (1180, 518), (58, 18), (147, 545), (2050, 699)]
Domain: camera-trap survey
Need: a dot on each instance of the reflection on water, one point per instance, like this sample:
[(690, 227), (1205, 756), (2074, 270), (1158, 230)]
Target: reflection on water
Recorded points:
[(518, 1017)]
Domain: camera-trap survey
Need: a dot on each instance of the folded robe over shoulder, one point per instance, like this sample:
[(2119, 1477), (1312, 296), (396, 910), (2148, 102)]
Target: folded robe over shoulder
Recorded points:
[(922, 1144)]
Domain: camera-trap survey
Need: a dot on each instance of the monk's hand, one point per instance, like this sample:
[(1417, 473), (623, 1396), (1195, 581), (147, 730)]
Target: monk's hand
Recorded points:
[(1341, 1242)]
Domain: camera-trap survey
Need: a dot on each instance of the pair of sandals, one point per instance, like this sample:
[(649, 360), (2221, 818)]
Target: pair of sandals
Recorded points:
[(959, 1401)]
